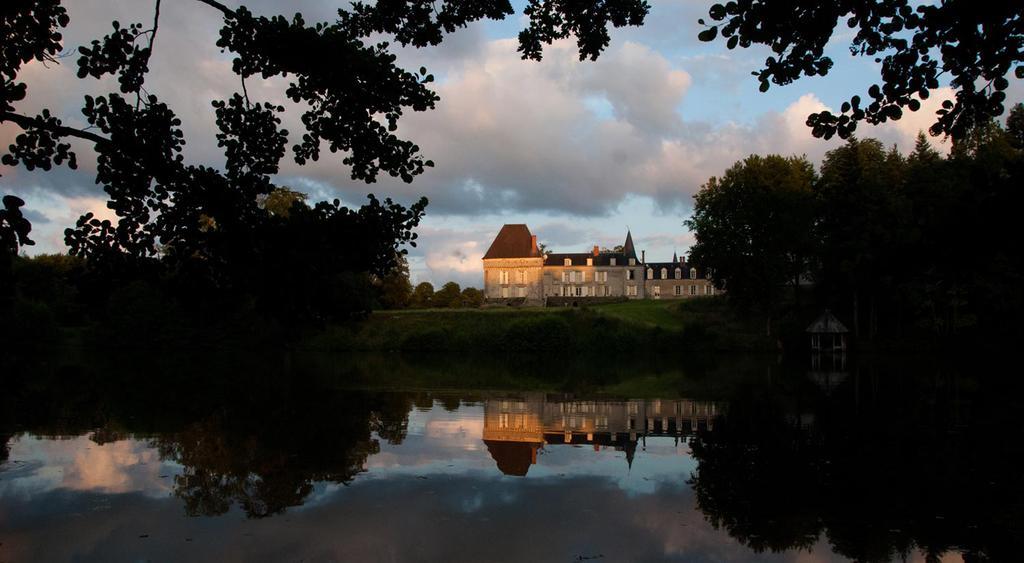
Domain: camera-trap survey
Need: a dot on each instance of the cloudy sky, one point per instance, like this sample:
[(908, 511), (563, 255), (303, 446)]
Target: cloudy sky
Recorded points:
[(577, 150)]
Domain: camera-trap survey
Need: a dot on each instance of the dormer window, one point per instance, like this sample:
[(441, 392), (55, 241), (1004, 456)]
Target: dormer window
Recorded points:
[(693, 273), (632, 261), (567, 262), (612, 261), (650, 274), (590, 261), (679, 273), (664, 273)]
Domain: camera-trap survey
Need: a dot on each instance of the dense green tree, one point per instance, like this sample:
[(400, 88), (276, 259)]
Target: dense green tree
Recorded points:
[(753, 227), (899, 245), (423, 295), (450, 295), (858, 224), (472, 297), (1015, 126), (280, 200), (394, 288)]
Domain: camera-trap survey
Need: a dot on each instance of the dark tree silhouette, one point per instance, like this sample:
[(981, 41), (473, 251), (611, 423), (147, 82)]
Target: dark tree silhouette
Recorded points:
[(423, 295), (753, 226), (1015, 126), (14, 230), (916, 45), (215, 226)]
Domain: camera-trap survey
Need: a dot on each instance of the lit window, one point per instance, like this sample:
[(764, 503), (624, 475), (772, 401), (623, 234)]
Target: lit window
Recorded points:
[(567, 262), (693, 273), (664, 273), (590, 261)]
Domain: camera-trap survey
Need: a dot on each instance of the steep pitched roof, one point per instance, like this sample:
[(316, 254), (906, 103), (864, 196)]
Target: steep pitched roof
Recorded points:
[(827, 323), (513, 241), (627, 247)]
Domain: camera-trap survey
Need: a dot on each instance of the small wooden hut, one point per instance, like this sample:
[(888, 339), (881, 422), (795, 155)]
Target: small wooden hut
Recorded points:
[(827, 334)]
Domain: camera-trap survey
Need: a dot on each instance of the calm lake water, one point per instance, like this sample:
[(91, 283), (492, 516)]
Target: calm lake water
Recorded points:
[(306, 457)]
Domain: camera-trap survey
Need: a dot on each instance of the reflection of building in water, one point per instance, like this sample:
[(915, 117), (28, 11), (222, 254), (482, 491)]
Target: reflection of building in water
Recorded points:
[(516, 428)]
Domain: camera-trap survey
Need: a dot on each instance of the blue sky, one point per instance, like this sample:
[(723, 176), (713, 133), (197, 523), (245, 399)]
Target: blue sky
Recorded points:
[(577, 150)]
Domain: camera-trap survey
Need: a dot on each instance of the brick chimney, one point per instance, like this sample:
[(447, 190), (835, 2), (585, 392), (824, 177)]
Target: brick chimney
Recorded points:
[(533, 241), (597, 250), (643, 256)]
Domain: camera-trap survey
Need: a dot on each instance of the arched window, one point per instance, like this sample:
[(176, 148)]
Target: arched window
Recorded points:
[(567, 262), (664, 273), (650, 273), (693, 273), (679, 273)]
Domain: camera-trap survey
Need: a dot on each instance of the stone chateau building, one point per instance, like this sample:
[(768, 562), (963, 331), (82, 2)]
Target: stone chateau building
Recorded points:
[(516, 271)]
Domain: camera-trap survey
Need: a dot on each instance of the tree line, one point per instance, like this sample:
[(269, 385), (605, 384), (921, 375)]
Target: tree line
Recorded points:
[(395, 291), (899, 245)]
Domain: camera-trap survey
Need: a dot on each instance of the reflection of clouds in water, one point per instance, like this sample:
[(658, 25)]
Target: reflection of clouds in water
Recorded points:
[(438, 441), (462, 434), (474, 518), (80, 464), (113, 468)]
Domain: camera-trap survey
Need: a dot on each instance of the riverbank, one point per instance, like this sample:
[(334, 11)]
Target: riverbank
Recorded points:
[(694, 325)]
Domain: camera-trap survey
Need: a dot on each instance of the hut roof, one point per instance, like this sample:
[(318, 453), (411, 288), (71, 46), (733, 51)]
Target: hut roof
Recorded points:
[(827, 323)]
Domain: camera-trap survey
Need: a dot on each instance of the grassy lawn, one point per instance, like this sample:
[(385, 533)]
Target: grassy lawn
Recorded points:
[(639, 325), (482, 311), (665, 314)]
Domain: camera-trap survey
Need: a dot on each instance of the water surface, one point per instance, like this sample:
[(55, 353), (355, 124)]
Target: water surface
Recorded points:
[(317, 458)]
